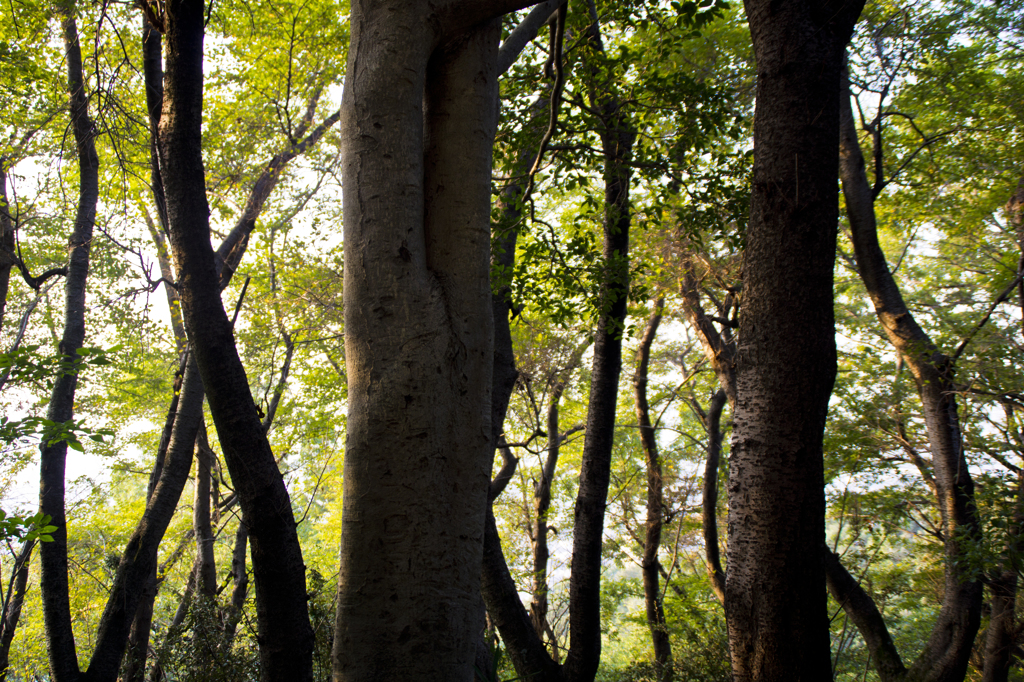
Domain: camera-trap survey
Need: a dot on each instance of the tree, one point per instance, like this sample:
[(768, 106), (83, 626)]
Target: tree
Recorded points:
[(775, 588), (53, 555), (279, 571), (418, 122)]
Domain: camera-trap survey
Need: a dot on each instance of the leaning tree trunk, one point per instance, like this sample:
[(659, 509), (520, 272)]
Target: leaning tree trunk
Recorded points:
[(775, 585), (285, 635), (946, 655), (12, 605), (54, 555), (541, 507)]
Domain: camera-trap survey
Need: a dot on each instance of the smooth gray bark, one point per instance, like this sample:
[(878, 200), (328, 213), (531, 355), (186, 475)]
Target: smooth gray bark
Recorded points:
[(418, 122)]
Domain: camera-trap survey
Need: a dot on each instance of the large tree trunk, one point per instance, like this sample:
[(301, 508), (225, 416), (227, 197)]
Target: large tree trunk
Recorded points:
[(655, 504), (947, 652), (419, 115), (286, 638), (53, 456), (775, 584)]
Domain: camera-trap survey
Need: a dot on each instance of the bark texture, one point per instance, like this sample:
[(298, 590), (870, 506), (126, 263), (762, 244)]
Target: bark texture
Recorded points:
[(418, 122), (775, 588), (286, 638)]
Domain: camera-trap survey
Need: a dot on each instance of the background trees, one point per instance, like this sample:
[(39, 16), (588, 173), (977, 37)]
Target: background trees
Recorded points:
[(663, 99)]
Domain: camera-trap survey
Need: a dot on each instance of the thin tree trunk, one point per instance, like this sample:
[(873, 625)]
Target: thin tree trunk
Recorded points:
[(206, 563), (525, 648), (7, 255), (617, 137), (946, 655), (240, 578), (655, 504), (709, 501), (138, 561), (541, 506), (12, 605), (286, 638), (497, 587), (775, 583), (54, 555), (138, 637)]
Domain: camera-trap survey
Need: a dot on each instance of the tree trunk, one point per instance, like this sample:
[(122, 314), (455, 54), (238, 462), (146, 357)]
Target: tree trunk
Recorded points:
[(655, 504), (206, 564), (709, 497), (1001, 637), (138, 561), (7, 255), (54, 555), (138, 637), (775, 584), (541, 505), (504, 609), (418, 125), (617, 137), (12, 605), (524, 647), (946, 655), (286, 638), (240, 578)]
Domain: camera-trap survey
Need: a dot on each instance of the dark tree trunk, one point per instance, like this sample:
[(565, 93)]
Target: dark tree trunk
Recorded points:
[(709, 501), (54, 555), (617, 137), (12, 605), (206, 564), (229, 255), (240, 578), (541, 506), (946, 655), (655, 504), (775, 584), (505, 610), (138, 562), (525, 648), (865, 615), (7, 255), (286, 638), (138, 638)]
